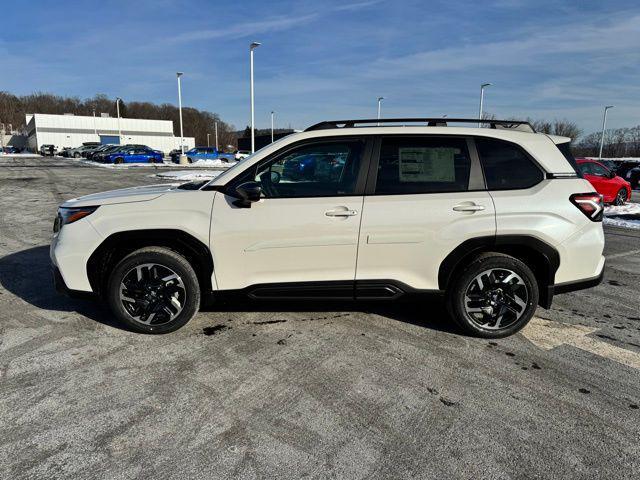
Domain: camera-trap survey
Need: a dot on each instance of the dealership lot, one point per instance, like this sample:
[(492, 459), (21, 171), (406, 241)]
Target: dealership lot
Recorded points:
[(289, 390)]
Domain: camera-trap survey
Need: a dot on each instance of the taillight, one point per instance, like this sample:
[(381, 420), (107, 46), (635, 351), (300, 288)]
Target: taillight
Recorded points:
[(591, 204)]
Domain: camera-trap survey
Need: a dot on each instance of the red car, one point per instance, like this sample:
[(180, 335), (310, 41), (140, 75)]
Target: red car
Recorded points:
[(613, 188)]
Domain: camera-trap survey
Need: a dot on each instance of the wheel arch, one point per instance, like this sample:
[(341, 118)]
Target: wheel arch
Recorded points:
[(118, 245), (541, 257)]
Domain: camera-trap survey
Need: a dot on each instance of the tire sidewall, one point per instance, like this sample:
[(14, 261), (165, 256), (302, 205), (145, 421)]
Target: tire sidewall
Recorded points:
[(166, 258), (456, 294)]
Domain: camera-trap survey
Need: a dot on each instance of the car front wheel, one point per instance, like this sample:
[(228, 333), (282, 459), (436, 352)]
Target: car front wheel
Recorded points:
[(621, 197), (154, 290), (494, 296)]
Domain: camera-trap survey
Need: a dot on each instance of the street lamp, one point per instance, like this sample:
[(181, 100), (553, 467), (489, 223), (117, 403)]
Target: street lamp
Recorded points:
[(482, 87), (252, 47), (379, 103), (272, 112), (216, 130), (118, 100), (208, 134), (604, 125), (183, 159)]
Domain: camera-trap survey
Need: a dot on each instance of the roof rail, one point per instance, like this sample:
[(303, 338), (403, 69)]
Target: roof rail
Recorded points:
[(430, 122)]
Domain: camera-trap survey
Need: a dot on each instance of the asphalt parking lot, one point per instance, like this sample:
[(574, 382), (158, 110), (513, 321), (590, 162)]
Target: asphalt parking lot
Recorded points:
[(303, 391)]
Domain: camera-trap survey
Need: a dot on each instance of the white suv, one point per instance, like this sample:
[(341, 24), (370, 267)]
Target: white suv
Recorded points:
[(496, 219)]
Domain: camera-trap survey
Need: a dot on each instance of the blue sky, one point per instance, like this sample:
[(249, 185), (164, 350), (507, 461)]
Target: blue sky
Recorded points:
[(331, 59)]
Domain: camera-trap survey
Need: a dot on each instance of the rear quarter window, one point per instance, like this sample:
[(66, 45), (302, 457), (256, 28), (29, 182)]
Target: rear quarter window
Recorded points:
[(506, 165), (565, 149)]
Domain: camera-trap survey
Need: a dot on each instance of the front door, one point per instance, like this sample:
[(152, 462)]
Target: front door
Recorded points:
[(304, 229), (425, 198)]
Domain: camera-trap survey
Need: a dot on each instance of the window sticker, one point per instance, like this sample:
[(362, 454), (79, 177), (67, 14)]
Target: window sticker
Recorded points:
[(424, 164)]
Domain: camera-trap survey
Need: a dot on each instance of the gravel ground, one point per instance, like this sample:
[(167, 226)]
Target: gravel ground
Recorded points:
[(303, 391)]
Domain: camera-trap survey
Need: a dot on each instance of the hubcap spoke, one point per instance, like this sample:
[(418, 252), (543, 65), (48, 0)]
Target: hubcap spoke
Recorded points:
[(496, 299), (152, 294)]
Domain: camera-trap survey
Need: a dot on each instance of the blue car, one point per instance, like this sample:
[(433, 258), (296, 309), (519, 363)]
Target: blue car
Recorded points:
[(310, 166), (133, 155), (203, 153)]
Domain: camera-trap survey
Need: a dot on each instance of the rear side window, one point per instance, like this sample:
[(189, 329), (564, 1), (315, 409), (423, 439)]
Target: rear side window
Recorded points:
[(506, 166), (410, 165)]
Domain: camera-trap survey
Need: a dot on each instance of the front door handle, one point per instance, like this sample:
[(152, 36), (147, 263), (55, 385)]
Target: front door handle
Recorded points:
[(468, 208), (341, 213)]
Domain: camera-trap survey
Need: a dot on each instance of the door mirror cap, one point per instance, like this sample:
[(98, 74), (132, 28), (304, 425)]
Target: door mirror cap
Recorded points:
[(249, 192)]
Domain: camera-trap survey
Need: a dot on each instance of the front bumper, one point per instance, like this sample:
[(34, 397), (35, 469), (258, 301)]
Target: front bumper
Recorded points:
[(61, 286)]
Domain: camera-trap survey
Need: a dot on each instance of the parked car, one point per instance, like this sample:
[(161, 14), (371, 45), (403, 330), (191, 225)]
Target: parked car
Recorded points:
[(614, 189), (98, 155), (133, 155), (89, 151), (630, 171), (78, 151), (48, 150), (203, 153), (496, 220), (10, 149), (240, 154)]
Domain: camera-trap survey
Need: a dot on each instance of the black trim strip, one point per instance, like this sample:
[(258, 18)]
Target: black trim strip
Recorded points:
[(567, 287)]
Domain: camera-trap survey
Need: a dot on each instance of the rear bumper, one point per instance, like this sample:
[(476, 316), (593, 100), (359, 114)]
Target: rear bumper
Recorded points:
[(578, 284), (566, 287)]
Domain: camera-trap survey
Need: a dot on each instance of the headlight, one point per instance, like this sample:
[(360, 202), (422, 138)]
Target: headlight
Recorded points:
[(70, 215)]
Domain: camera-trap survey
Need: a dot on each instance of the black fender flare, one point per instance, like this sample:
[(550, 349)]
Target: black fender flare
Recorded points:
[(526, 246)]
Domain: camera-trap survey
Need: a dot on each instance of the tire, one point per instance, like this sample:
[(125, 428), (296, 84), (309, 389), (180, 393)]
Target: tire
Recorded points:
[(515, 301), (140, 296), (621, 197), (119, 160), (188, 160), (76, 155)]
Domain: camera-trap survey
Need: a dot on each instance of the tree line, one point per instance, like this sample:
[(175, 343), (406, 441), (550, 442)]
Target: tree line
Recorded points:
[(196, 123)]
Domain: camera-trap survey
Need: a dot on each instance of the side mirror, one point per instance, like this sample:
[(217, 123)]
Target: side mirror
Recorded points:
[(612, 174), (249, 193)]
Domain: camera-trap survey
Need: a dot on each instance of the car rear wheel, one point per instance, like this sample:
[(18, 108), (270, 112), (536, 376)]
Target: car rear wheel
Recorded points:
[(119, 160), (621, 197), (76, 155), (494, 296), (154, 290)]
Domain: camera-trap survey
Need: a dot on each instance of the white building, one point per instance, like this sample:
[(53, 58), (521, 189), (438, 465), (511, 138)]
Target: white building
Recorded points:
[(72, 131)]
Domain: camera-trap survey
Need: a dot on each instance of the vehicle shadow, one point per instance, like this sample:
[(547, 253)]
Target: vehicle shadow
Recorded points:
[(27, 274)]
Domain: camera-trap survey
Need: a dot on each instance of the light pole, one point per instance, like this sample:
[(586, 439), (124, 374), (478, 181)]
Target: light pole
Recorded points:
[(208, 134), (252, 47), (216, 130), (95, 129), (183, 159), (604, 126), (379, 106), (272, 112), (482, 87), (118, 100)]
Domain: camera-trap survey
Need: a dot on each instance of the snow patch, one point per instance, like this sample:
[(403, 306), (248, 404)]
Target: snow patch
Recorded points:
[(630, 216)]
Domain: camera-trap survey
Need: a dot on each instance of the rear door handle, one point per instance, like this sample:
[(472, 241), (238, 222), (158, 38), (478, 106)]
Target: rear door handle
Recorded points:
[(341, 213), (468, 208)]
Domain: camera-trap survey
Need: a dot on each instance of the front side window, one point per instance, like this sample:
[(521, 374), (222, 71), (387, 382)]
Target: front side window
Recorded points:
[(599, 170), (506, 166), (411, 165), (317, 170)]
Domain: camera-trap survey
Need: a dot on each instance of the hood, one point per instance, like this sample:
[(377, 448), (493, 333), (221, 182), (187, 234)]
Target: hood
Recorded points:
[(123, 195)]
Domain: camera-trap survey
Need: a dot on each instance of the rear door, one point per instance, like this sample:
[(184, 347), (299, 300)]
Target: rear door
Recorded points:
[(303, 230), (425, 196)]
